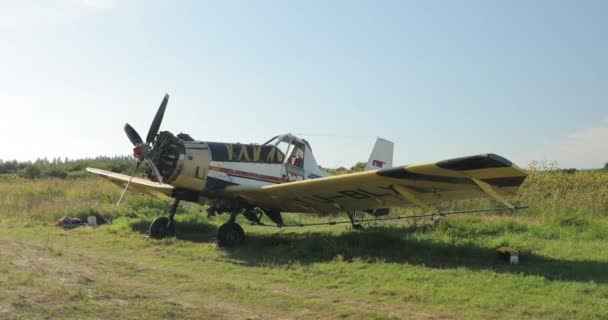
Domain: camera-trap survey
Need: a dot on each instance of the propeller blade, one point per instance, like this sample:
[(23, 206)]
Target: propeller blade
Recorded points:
[(159, 178), (133, 135), (157, 119), (124, 192)]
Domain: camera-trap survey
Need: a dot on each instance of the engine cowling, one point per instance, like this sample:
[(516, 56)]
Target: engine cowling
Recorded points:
[(166, 155), (181, 161)]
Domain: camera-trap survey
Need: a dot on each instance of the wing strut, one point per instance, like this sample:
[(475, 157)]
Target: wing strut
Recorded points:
[(493, 193), (411, 197)]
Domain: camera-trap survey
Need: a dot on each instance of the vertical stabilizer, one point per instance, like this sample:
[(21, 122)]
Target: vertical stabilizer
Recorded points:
[(382, 155)]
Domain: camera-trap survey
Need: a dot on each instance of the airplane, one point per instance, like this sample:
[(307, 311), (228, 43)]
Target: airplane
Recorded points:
[(282, 175)]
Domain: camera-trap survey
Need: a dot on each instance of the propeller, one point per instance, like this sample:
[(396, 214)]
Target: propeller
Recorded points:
[(133, 135), (142, 150), (158, 118)]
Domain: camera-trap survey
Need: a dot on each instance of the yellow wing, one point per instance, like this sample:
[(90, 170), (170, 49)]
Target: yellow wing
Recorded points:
[(137, 184), (486, 175)]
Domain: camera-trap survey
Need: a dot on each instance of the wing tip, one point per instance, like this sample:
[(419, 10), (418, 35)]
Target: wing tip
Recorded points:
[(95, 170), (480, 161)]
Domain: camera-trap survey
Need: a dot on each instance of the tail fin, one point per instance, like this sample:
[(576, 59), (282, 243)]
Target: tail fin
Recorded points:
[(382, 155)]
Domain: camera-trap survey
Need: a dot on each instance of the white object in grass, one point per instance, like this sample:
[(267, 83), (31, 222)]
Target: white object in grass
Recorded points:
[(92, 220)]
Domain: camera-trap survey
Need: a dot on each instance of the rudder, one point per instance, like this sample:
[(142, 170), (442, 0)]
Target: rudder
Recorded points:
[(381, 156)]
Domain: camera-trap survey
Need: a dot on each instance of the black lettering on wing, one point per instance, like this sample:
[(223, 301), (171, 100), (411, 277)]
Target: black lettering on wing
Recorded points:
[(374, 194), (354, 194)]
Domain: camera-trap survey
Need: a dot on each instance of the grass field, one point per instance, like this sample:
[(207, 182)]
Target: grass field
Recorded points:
[(409, 270)]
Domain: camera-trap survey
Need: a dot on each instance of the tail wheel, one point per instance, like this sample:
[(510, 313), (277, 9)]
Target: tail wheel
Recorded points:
[(160, 228), (230, 234)]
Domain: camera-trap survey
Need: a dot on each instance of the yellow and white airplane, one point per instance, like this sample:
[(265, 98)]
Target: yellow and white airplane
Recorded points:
[(282, 175)]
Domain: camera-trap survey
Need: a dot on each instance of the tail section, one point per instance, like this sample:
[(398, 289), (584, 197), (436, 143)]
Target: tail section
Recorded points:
[(382, 155)]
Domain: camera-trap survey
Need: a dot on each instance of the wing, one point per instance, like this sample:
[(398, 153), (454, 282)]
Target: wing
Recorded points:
[(137, 184), (421, 185)]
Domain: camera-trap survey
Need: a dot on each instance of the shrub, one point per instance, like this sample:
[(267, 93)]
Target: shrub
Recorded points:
[(30, 172), (55, 173)]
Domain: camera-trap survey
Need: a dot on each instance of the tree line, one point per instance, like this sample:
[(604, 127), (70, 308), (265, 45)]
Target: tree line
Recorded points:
[(64, 168), (67, 168), (359, 166)]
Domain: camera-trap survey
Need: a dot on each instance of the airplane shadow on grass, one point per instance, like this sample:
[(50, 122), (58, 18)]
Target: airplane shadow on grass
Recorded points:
[(194, 231), (399, 245), (388, 244)]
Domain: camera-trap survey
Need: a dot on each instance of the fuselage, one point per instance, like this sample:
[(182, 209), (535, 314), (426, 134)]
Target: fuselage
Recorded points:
[(206, 167)]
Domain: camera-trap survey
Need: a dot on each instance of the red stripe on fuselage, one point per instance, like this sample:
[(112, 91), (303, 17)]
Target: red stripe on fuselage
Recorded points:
[(245, 174)]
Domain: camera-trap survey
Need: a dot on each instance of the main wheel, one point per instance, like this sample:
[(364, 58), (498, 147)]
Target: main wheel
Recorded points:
[(358, 226), (230, 234), (159, 228)]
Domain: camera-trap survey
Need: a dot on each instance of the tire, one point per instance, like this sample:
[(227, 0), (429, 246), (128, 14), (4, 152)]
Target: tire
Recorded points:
[(358, 226), (171, 230), (159, 228), (229, 235)]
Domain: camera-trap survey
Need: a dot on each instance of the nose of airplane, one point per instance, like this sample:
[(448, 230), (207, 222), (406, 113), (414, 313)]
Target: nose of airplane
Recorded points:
[(164, 156), (144, 151)]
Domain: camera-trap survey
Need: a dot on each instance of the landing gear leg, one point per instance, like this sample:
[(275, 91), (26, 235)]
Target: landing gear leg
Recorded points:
[(171, 227), (163, 226), (253, 215), (353, 220), (230, 233)]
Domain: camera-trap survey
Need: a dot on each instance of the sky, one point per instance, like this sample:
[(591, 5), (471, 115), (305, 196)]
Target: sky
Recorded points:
[(527, 80)]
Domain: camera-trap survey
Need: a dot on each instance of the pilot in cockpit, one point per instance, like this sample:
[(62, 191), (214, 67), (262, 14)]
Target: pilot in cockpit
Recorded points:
[(297, 158)]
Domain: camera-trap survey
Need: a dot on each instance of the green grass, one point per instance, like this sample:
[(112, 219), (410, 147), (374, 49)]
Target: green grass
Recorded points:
[(388, 271)]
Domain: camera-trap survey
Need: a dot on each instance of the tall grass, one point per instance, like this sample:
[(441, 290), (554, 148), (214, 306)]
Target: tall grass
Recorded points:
[(571, 199), (558, 193), (45, 200)]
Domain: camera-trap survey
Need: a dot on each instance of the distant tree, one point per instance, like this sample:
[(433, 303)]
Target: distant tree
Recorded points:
[(359, 166), (55, 173), (30, 172), (119, 166), (336, 171), (606, 166), (10, 167), (42, 161), (60, 168)]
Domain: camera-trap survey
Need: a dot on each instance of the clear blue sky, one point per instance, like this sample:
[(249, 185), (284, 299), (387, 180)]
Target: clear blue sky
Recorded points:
[(524, 79)]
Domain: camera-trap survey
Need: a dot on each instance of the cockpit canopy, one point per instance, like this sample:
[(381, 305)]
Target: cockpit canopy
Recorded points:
[(292, 146), (286, 149)]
